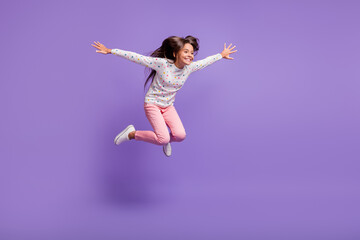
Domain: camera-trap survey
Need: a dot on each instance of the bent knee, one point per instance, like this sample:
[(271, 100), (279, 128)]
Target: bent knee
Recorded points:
[(162, 140), (180, 136)]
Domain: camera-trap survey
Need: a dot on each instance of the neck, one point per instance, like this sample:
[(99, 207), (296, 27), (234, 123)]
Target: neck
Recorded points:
[(178, 66)]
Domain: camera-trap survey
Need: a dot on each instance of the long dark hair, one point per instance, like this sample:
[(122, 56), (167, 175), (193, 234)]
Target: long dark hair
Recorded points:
[(170, 46)]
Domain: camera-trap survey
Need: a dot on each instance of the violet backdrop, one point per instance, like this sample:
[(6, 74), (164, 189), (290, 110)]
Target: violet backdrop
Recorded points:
[(272, 146)]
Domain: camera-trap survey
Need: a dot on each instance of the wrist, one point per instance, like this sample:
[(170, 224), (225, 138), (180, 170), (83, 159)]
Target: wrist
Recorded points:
[(108, 50)]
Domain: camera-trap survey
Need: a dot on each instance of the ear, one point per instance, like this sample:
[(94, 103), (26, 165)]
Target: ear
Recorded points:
[(174, 54)]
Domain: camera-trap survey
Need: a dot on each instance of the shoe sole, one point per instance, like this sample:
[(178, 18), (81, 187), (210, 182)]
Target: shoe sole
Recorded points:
[(165, 152), (120, 134)]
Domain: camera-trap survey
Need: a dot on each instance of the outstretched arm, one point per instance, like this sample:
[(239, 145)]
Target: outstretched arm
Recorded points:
[(151, 62), (197, 65), (200, 64)]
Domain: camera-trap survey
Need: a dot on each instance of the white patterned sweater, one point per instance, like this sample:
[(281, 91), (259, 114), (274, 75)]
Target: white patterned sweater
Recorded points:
[(168, 78)]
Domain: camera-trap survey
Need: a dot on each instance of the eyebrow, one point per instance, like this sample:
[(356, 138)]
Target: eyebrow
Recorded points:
[(187, 50)]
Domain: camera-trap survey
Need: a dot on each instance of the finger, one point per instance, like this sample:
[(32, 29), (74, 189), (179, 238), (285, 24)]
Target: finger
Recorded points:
[(224, 45), (232, 47), (229, 45), (233, 51)]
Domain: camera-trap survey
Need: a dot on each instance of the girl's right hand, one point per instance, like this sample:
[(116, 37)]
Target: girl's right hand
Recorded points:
[(101, 47)]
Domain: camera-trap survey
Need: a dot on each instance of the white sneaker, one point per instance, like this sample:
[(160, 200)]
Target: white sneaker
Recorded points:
[(124, 135), (167, 149)]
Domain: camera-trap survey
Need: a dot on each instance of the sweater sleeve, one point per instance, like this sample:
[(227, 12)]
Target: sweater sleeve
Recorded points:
[(197, 65), (147, 61)]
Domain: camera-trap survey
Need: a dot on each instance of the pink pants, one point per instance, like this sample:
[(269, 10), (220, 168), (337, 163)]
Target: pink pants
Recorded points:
[(159, 119)]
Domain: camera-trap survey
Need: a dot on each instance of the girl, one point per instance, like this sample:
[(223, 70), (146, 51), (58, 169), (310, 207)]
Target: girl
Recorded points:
[(171, 65)]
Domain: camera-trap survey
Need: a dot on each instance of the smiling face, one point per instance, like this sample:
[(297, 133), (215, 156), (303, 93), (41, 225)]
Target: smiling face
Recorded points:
[(185, 56)]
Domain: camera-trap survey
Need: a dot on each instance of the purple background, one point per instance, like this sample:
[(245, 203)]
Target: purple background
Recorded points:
[(272, 147)]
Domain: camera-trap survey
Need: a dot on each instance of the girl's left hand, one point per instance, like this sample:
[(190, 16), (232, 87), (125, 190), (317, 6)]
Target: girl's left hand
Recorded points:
[(227, 51)]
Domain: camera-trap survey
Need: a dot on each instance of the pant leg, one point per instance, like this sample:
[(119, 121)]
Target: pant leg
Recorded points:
[(160, 135), (173, 120)]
